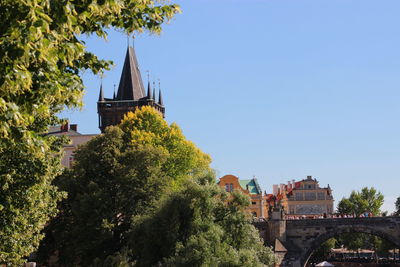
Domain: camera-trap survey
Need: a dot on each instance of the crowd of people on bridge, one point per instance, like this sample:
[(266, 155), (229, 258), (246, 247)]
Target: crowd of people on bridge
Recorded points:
[(320, 216), (329, 216)]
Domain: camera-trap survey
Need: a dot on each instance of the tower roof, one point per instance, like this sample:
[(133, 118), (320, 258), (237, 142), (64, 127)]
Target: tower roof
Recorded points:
[(130, 85)]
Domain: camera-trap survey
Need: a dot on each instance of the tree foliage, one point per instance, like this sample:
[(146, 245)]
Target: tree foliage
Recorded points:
[(41, 55), (365, 201), (322, 253), (368, 200), (200, 225), (41, 59), (397, 205), (115, 176), (108, 184), (184, 159), (356, 241), (27, 198)]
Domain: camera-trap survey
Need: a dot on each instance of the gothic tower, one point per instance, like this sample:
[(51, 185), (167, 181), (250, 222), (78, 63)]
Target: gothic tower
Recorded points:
[(130, 95)]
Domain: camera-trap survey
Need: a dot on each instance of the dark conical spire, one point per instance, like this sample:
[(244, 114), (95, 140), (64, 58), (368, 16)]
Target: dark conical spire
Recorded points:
[(160, 101), (130, 85), (101, 94), (149, 96), (154, 93), (114, 93)]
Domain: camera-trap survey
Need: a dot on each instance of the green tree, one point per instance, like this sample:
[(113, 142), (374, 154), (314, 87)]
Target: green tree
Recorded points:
[(146, 127), (200, 225), (367, 200), (115, 176), (357, 241), (322, 253), (108, 184), (397, 204), (346, 206), (41, 58), (354, 241), (384, 247), (27, 198)]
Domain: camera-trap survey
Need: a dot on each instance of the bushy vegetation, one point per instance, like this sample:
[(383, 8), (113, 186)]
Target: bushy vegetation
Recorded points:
[(142, 194), (41, 59)]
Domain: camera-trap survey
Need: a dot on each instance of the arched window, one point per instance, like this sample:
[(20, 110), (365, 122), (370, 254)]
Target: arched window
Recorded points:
[(231, 187), (254, 214)]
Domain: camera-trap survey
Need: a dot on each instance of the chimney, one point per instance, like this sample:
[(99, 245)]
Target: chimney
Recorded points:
[(74, 127), (275, 189), (64, 127), (289, 185)]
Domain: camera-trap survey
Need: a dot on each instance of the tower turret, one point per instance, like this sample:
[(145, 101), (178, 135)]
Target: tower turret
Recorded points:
[(149, 96), (101, 94)]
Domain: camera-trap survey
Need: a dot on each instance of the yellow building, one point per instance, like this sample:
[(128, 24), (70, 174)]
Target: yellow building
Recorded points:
[(247, 187)]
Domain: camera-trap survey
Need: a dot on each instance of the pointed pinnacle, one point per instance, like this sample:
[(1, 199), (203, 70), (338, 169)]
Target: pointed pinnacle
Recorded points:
[(149, 96), (160, 100), (101, 94)]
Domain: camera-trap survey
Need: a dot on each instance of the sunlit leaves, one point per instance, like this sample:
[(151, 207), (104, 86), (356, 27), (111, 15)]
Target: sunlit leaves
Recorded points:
[(41, 59), (146, 126)]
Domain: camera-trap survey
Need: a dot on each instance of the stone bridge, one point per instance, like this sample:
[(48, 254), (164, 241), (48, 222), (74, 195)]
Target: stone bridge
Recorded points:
[(294, 241)]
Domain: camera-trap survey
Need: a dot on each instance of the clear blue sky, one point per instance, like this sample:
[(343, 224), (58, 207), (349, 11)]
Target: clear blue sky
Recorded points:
[(277, 89)]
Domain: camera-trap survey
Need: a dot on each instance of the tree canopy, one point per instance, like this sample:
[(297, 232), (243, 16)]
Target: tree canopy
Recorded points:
[(117, 175), (200, 225), (368, 200), (41, 59), (108, 184), (184, 159), (397, 205)]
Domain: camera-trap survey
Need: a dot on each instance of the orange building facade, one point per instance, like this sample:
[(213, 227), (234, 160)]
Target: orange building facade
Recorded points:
[(251, 188), (302, 198)]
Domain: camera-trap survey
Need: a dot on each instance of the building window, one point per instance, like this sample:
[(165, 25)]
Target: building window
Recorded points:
[(299, 196), (291, 209), (254, 214), (310, 196), (253, 203), (231, 187), (321, 195)]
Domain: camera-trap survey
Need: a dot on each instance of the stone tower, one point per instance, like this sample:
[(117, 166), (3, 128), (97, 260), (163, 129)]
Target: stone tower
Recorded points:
[(130, 95)]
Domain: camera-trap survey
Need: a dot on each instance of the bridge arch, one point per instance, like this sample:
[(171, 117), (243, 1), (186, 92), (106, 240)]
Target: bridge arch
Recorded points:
[(315, 243)]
